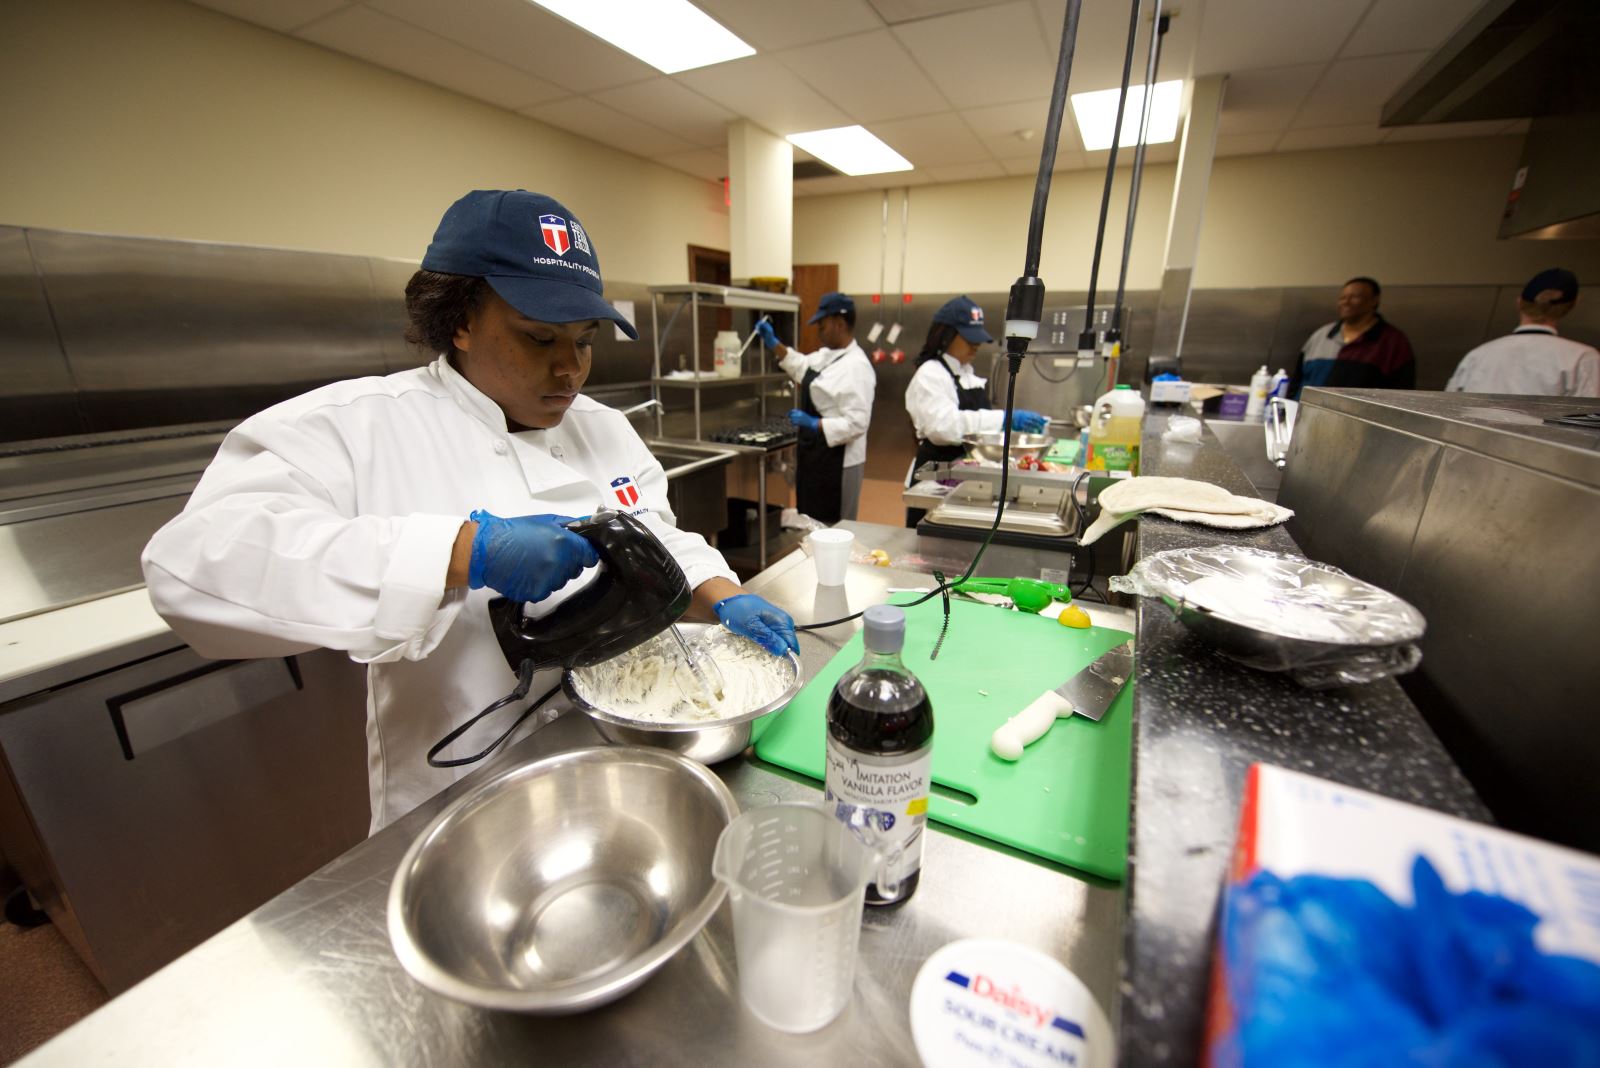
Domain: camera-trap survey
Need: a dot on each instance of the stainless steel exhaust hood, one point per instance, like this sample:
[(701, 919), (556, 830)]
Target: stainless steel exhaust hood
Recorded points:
[(1518, 59)]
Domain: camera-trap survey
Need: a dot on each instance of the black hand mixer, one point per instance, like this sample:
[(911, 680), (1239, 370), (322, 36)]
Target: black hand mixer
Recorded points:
[(638, 591)]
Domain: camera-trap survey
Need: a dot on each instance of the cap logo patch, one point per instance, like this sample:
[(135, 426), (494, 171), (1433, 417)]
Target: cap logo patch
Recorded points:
[(977, 316), (556, 238), (580, 239)]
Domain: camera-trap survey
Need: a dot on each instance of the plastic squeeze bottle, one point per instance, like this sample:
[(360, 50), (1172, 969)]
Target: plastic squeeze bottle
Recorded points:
[(1114, 432), (1260, 383), (725, 354), (880, 755)]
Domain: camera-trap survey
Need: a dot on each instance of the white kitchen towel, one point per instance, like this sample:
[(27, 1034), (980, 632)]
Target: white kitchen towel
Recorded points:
[(1183, 499)]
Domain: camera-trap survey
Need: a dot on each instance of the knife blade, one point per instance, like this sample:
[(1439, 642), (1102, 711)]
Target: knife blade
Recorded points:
[(1091, 691)]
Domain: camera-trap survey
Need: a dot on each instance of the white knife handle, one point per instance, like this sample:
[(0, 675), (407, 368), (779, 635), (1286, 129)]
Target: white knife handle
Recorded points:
[(1028, 726)]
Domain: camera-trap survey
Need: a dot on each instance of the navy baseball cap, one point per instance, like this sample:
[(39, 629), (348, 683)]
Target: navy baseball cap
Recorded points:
[(832, 304), (1563, 282), (965, 315), (530, 249)]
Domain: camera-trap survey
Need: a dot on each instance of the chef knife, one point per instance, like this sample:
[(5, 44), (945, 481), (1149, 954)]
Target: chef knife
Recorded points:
[(1091, 691)]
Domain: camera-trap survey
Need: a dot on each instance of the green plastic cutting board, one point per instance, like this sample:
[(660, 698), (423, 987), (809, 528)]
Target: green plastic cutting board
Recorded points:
[(1066, 800)]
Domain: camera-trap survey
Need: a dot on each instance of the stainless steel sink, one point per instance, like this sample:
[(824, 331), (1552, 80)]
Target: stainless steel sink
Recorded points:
[(696, 484)]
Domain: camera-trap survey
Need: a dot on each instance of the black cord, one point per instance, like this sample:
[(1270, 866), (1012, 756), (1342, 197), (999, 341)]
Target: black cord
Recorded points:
[(524, 682), (1111, 164), (1052, 134), (1157, 30)]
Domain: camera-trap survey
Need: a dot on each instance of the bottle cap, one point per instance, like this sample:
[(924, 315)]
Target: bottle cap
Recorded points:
[(884, 628)]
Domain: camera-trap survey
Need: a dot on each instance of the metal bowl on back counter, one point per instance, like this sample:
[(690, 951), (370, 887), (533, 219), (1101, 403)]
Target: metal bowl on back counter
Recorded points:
[(1277, 612), (707, 741), (990, 445), (564, 883)]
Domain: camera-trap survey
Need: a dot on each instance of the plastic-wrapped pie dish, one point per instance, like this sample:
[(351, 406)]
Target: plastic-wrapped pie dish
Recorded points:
[(1277, 612)]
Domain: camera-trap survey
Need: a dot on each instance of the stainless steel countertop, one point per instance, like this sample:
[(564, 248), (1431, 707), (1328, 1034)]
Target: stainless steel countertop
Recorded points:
[(310, 977)]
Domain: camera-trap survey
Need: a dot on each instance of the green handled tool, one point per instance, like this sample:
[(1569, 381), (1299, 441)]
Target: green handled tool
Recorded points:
[(1029, 595)]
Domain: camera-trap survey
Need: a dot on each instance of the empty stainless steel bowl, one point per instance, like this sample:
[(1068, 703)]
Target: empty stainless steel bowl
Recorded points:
[(562, 884), (988, 445)]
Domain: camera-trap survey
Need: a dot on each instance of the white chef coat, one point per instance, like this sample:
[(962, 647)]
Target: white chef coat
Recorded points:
[(328, 521), (1533, 361), (842, 392), (935, 410)]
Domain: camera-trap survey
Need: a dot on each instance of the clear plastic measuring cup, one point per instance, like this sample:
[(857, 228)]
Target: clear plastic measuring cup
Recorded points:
[(796, 877)]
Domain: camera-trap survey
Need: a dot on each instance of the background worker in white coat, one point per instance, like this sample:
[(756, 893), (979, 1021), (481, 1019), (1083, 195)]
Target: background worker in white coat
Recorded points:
[(1534, 359), (837, 384), (366, 515), (946, 399)]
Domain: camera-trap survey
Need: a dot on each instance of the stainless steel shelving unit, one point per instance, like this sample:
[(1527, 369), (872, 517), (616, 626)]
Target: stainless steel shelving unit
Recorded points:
[(694, 295)]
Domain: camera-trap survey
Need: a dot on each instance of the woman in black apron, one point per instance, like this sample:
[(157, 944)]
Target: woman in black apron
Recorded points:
[(957, 331), (819, 475)]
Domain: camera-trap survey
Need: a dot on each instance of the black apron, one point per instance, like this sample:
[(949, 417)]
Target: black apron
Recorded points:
[(968, 400), (819, 467)]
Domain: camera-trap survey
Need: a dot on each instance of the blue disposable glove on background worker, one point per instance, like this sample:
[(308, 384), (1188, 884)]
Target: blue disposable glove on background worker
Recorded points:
[(526, 558), (804, 420), (1028, 422), (759, 620), (769, 336)]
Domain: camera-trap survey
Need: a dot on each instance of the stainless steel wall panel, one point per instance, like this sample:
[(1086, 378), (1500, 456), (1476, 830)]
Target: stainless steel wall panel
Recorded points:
[(40, 398), (389, 278), (1443, 324), (1230, 333), (1358, 491), (156, 329)]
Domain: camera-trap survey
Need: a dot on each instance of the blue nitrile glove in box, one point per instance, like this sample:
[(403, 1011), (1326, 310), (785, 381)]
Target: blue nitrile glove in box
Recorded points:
[(804, 420), (1324, 971), (759, 620)]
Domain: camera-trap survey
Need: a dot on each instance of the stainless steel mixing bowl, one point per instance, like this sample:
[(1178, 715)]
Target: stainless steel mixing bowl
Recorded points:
[(989, 445), (562, 884), (706, 741)]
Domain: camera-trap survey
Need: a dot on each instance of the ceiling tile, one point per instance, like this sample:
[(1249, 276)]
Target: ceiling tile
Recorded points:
[(672, 107), (608, 126), (1103, 40), (931, 140), (1408, 26), (1247, 144), (838, 183), (895, 11), (1066, 160), (1167, 152), (966, 172), (1329, 137), (1240, 35), (704, 163), (1264, 101), (280, 15), (992, 56), (1354, 90), (1443, 131), (868, 75), (773, 25), (767, 92), (527, 37), (400, 46), (1000, 128)]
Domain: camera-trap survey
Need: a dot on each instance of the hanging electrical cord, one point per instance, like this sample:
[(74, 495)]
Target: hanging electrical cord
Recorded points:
[(883, 270), (1158, 30), (1025, 306), (1086, 339)]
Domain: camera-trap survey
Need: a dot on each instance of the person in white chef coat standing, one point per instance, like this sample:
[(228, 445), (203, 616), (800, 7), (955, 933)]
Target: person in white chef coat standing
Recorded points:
[(1534, 359), (379, 516), (946, 399), (837, 384)]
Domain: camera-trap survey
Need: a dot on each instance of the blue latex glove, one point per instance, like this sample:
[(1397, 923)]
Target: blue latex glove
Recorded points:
[(526, 558), (1028, 422), (804, 421), (759, 620), (769, 336)]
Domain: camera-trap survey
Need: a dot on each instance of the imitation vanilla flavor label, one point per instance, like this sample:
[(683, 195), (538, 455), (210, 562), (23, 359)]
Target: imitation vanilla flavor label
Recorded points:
[(983, 1001), (885, 799)]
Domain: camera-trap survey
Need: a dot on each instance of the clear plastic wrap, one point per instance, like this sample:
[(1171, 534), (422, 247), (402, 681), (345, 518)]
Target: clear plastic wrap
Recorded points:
[(1278, 612)]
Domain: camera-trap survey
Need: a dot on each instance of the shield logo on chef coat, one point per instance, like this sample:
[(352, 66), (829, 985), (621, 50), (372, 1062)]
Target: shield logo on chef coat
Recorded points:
[(554, 229), (626, 491)]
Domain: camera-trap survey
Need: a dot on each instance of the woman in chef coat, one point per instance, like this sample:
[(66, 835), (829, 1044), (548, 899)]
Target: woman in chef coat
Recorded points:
[(945, 399), (380, 515), (837, 384)]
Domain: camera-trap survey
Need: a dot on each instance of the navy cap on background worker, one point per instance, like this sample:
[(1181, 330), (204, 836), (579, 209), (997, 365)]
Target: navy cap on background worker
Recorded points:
[(1534, 359)]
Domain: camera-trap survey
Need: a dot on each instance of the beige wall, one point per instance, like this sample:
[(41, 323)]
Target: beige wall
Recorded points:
[(163, 119), (1414, 213)]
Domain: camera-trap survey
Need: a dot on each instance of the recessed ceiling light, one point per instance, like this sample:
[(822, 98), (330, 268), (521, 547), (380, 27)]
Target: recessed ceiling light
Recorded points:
[(851, 149), (670, 35), (1097, 113)]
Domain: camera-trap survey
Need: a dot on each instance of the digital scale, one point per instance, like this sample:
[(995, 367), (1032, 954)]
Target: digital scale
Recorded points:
[(1044, 509)]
